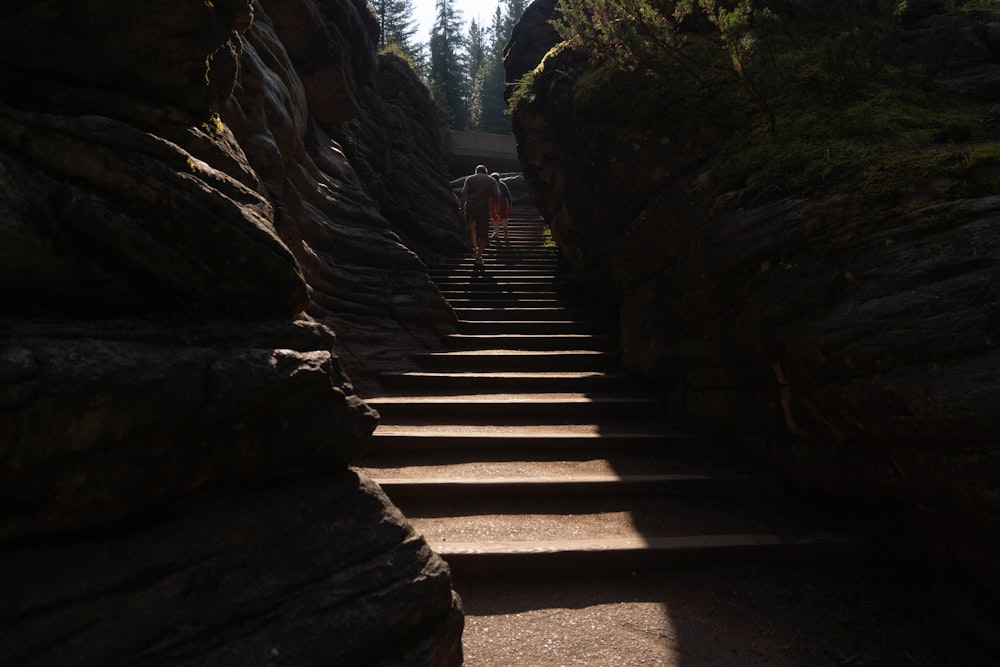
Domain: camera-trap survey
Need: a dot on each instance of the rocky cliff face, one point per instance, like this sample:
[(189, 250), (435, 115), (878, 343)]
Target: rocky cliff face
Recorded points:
[(190, 262), (350, 180), (861, 349)]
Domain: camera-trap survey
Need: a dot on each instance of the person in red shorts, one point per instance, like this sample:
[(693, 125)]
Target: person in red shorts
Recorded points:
[(479, 195), (501, 211)]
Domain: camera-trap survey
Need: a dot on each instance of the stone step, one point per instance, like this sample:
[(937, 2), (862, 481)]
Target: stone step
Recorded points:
[(523, 239), (523, 258), (484, 297), (464, 464), (483, 280), (512, 253), (494, 273), (520, 360), (509, 408), (501, 301), (563, 484), (529, 450), (497, 269), (536, 327), (482, 283), (705, 456), (523, 312), (731, 520), (485, 558), (535, 232), (509, 264), (506, 262), (503, 257), (578, 438), (506, 381), (534, 342), (531, 240)]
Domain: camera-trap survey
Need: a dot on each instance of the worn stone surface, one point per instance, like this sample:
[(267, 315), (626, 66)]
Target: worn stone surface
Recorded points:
[(369, 286), (314, 572), (71, 239), (105, 420), (864, 352), (182, 53), (196, 280), (387, 145)]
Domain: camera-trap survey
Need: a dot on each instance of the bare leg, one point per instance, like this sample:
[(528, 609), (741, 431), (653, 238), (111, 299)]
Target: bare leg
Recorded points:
[(472, 239)]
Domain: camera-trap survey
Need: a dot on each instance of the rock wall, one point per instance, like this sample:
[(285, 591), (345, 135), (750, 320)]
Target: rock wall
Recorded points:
[(351, 178), (860, 353), (196, 277)]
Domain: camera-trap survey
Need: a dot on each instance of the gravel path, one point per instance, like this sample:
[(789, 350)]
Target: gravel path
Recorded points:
[(745, 616)]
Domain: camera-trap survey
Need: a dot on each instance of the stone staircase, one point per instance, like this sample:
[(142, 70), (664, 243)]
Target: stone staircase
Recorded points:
[(525, 447)]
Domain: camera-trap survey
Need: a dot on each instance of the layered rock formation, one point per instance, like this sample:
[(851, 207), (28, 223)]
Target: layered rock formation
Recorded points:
[(195, 277), (859, 346), (343, 206)]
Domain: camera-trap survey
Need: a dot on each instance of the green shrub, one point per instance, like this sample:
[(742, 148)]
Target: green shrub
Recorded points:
[(806, 96)]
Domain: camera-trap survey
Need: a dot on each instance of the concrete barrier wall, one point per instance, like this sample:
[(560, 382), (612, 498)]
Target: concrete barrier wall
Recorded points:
[(464, 150)]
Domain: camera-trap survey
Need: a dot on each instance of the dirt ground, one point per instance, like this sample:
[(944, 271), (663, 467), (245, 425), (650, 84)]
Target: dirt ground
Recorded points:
[(744, 616)]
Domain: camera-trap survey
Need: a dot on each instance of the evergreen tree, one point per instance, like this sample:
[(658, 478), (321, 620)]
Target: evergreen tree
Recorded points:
[(395, 17), (499, 34), (487, 109), (513, 9), (487, 105), (477, 51), (448, 72)]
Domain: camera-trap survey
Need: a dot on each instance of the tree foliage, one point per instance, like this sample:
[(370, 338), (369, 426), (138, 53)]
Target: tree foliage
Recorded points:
[(395, 18), (476, 47), (464, 70), (487, 107), (448, 67), (784, 95), (756, 51)]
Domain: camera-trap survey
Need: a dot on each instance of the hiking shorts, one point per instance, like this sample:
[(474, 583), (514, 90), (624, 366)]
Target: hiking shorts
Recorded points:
[(501, 210), (478, 215)]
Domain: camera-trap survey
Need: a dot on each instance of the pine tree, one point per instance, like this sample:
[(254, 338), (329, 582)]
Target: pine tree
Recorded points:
[(448, 73), (395, 17), (487, 106), (513, 9), (476, 52)]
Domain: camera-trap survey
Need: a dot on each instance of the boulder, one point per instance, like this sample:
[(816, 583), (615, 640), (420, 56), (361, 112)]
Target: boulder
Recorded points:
[(107, 420), (312, 572)]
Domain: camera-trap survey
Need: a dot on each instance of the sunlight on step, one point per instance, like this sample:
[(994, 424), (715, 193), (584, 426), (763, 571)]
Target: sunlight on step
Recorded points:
[(487, 430), (584, 629), (535, 533), (497, 470)]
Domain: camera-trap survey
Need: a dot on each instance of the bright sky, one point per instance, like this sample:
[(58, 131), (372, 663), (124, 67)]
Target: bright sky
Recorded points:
[(425, 12)]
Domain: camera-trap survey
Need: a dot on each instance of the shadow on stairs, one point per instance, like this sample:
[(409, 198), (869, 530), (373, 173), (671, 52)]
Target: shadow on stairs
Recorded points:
[(537, 468)]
